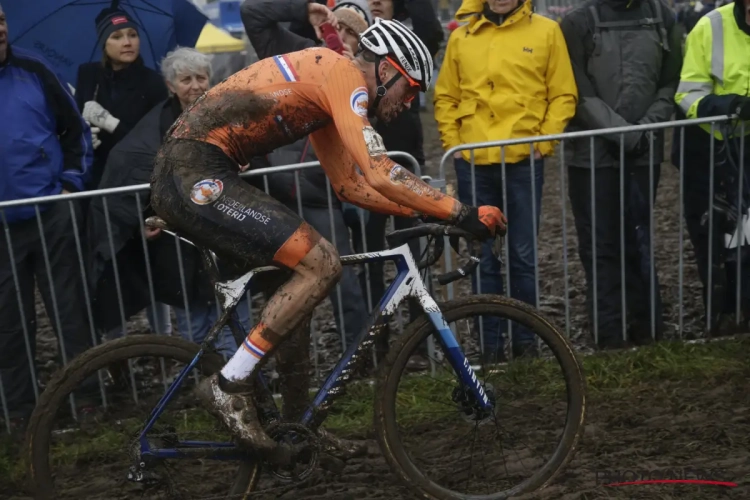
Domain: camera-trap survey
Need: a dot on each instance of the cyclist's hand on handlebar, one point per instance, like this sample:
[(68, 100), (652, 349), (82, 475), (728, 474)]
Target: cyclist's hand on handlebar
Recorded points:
[(484, 222)]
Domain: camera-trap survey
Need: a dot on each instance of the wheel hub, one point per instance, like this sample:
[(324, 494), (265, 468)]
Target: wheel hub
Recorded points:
[(470, 407)]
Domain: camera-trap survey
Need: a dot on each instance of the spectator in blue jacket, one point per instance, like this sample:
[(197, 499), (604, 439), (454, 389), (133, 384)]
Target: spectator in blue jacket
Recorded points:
[(46, 150)]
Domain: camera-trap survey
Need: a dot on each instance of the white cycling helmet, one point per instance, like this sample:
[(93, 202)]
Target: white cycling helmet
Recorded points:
[(391, 38)]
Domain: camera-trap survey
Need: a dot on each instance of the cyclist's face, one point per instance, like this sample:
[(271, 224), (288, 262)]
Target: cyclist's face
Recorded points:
[(401, 94)]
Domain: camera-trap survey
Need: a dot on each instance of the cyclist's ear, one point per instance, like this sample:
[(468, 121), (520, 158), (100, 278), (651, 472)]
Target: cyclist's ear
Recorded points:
[(385, 68)]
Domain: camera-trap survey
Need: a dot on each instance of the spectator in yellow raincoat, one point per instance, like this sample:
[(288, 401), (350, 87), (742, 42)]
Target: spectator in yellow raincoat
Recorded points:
[(506, 75)]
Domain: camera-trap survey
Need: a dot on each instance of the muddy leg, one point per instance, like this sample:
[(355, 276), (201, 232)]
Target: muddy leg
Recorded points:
[(293, 366), (227, 394)]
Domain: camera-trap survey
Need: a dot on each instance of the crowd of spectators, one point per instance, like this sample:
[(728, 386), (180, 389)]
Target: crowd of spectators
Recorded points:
[(506, 73)]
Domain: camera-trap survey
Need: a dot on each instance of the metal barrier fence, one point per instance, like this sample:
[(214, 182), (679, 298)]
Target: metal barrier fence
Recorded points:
[(158, 315), (714, 158), (555, 261)]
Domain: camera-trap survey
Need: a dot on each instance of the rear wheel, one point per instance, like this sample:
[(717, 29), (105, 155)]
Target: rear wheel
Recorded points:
[(425, 418), (81, 446)]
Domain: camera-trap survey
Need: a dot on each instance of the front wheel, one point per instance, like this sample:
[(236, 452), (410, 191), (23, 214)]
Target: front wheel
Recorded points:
[(442, 445)]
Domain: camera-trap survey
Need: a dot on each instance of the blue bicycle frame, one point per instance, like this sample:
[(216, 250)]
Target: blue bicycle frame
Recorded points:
[(407, 283)]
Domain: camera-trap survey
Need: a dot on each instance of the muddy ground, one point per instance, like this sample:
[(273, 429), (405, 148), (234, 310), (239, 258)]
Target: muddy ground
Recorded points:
[(657, 428), (696, 430)]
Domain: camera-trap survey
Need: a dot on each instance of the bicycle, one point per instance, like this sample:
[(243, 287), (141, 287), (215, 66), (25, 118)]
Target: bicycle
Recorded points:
[(476, 401)]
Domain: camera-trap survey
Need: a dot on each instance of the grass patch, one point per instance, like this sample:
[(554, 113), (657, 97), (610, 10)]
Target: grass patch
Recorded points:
[(11, 470), (605, 372), (353, 414)]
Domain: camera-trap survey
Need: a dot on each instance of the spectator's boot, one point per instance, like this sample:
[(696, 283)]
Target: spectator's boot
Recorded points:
[(236, 409)]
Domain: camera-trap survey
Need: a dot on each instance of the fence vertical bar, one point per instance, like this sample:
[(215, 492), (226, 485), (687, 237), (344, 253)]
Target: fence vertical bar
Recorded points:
[(312, 331), (711, 166), (53, 297), (652, 257), (366, 270), (338, 285), (593, 245), (535, 228), (86, 295), (399, 316), (150, 279), (681, 269), (183, 285), (447, 253), (4, 404), (740, 227), (623, 281), (473, 172), (108, 224), (506, 267), (566, 277), (24, 323)]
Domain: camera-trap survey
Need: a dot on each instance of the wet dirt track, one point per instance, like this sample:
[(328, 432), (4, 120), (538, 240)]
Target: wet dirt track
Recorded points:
[(658, 428), (663, 426)]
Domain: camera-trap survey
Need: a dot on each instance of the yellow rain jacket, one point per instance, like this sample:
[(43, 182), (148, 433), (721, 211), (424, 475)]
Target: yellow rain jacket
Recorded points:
[(504, 82)]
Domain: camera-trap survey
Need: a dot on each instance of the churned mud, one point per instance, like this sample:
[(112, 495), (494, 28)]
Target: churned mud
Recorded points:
[(698, 431)]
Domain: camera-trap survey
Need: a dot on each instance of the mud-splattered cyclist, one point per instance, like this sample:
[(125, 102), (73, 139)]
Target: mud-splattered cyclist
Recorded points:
[(197, 189)]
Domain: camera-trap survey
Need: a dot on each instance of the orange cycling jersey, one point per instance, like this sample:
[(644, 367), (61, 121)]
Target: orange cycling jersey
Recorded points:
[(315, 91)]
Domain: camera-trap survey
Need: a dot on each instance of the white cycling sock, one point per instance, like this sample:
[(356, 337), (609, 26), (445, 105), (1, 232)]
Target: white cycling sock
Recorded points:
[(243, 362)]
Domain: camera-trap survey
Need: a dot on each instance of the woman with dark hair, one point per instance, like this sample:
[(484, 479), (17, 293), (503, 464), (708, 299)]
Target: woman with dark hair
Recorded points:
[(114, 94)]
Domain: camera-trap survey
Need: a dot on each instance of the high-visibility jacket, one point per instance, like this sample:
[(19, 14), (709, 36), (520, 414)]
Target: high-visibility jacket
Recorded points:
[(716, 69)]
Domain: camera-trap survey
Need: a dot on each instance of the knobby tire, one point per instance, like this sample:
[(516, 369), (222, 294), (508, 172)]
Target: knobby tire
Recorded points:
[(395, 362)]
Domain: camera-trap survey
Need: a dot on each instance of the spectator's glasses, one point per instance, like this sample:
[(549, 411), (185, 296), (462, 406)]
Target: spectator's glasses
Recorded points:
[(413, 84)]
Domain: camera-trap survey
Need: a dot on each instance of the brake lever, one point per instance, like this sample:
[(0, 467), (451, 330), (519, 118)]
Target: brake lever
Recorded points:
[(497, 248), (466, 269)]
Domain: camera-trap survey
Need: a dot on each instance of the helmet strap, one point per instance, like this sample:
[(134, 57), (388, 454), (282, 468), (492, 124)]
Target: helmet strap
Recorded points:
[(382, 89)]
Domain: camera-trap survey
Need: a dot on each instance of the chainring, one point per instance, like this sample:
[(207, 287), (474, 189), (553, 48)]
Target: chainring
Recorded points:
[(305, 459)]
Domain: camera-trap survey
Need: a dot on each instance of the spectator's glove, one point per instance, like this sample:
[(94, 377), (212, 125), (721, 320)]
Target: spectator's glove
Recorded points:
[(95, 137), (96, 115), (742, 107), (642, 146), (95, 142), (484, 222), (636, 145)]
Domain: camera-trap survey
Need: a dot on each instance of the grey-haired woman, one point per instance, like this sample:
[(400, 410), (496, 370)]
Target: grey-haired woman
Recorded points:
[(187, 73)]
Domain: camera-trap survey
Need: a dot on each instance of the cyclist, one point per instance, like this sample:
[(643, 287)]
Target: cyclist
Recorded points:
[(196, 186)]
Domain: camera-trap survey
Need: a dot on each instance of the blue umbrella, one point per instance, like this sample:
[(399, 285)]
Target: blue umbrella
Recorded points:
[(64, 31)]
